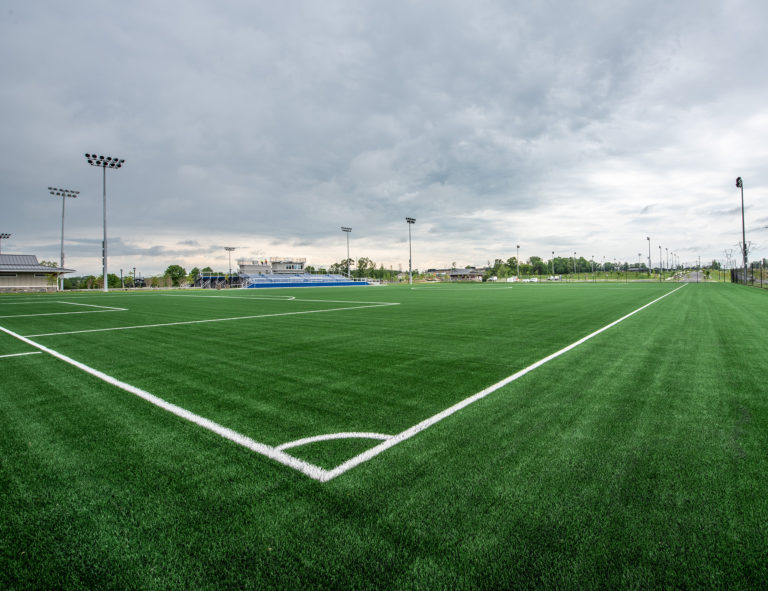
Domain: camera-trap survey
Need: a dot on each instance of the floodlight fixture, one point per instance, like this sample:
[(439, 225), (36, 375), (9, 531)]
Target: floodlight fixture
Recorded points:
[(63, 193), (104, 162), (347, 231), (740, 185), (648, 238), (229, 250), (410, 222), (661, 264), (3, 236)]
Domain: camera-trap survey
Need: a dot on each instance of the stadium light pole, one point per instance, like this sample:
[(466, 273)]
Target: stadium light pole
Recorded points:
[(3, 236), (650, 266), (517, 260), (347, 231), (410, 221), (553, 264), (574, 263), (229, 250), (105, 163), (661, 264), (740, 185), (63, 193)]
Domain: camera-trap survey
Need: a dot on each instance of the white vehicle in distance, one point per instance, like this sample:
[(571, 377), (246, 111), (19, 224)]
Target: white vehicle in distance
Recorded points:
[(531, 280)]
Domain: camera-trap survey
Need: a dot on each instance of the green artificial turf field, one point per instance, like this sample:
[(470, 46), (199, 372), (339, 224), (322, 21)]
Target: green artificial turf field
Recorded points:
[(635, 459)]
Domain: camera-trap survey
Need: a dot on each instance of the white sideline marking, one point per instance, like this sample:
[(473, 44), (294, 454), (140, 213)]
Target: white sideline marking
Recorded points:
[(408, 433), (184, 322), (315, 472), (330, 436), (20, 354)]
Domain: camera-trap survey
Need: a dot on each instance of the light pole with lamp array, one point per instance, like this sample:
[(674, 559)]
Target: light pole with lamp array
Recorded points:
[(553, 264), (3, 236), (410, 221), (661, 264), (229, 250), (740, 185), (63, 193), (517, 260), (104, 163), (648, 238), (574, 263), (347, 231)]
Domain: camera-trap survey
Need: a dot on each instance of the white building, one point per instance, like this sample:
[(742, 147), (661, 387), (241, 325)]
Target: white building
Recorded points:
[(272, 266), (22, 272)]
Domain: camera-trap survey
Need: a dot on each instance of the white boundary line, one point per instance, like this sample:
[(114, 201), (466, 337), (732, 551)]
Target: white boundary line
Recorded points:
[(185, 322), (102, 309), (316, 472), (20, 354), (419, 427), (110, 308), (310, 470)]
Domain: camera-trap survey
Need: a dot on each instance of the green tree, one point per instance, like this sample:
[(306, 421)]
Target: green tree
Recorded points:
[(176, 273)]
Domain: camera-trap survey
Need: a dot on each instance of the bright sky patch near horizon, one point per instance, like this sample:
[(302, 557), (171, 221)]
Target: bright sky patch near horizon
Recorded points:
[(560, 126)]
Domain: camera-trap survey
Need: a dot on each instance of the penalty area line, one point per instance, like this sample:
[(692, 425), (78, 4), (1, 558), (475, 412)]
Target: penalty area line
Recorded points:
[(187, 322), (425, 424)]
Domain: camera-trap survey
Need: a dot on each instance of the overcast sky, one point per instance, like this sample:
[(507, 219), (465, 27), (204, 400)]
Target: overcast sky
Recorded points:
[(560, 126)]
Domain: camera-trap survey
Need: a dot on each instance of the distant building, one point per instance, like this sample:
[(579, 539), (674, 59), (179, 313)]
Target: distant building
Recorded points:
[(465, 275), (273, 265), (22, 272)]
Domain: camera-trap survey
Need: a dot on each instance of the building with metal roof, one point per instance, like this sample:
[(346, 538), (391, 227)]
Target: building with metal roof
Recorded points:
[(23, 272)]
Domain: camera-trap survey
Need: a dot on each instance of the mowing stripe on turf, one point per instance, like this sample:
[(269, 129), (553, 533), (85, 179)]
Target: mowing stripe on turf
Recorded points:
[(185, 322), (418, 428)]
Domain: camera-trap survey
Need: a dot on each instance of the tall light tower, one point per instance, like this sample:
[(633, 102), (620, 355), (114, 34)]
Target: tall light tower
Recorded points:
[(410, 221), (3, 236), (661, 264), (229, 250), (347, 231), (574, 263), (553, 263), (104, 163), (740, 185), (63, 193), (517, 260), (648, 238)]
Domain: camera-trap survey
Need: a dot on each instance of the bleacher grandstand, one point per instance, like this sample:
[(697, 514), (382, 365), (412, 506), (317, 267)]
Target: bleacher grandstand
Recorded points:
[(302, 280)]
